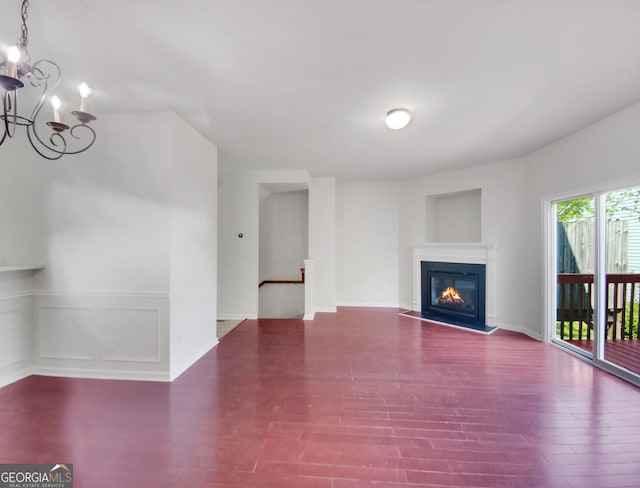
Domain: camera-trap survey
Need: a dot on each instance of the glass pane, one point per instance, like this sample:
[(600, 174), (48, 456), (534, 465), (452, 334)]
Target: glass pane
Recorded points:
[(575, 264), (457, 293), (622, 248)]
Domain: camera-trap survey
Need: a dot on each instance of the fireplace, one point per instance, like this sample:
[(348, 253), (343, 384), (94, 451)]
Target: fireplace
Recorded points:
[(454, 293)]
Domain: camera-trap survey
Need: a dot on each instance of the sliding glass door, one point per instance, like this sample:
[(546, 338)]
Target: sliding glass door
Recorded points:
[(575, 258), (596, 285), (621, 346)]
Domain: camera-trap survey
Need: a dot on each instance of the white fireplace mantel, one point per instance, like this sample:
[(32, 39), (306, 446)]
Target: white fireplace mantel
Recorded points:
[(458, 252)]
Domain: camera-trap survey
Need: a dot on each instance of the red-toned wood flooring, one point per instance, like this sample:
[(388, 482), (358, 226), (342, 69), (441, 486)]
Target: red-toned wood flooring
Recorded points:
[(361, 398), (623, 352)]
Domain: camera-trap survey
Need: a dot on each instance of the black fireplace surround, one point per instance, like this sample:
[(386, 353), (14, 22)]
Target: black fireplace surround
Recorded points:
[(454, 293)]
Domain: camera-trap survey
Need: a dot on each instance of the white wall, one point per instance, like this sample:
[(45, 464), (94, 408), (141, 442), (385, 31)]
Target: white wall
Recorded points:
[(237, 256), (601, 157), (128, 235), (22, 231), (457, 217), (194, 247), (238, 273), (367, 229), (22, 243), (322, 241), (284, 235), (102, 302), (502, 206)]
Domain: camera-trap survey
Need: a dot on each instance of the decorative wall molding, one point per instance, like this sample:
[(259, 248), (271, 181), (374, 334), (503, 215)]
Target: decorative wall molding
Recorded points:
[(16, 296), (71, 323), (13, 376), (102, 373), (100, 293), (10, 331), (520, 329), (21, 267), (119, 332), (369, 304), (147, 341), (236, 316), (326, 309)]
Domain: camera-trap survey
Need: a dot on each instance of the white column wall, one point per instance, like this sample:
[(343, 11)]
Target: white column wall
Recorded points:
[(322, 241), (194, 246), (237, 256), (22, 244), (367, 230)]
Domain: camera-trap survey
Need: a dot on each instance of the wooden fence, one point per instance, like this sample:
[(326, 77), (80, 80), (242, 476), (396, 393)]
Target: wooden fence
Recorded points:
[(576, 246)]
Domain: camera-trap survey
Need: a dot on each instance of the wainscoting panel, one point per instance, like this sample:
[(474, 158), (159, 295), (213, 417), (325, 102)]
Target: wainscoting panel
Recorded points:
[(66, 332), (11, 350), (132, 334), (16, 323), (103, 334)]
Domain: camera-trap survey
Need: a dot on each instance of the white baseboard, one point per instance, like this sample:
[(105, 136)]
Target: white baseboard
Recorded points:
[(15, 376), (192, 360), (369, 304), (102, 374), (309, 316), (237, 316), (518, 328), (326, 309)]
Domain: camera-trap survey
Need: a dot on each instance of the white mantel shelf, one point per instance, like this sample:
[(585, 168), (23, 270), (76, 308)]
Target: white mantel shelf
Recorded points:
[(22, 267), (458, 252)]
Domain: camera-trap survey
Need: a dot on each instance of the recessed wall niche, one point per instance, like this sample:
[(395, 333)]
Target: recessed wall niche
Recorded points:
[(454, 217)]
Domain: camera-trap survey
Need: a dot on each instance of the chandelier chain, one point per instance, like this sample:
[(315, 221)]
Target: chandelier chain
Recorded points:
[(24, 30)]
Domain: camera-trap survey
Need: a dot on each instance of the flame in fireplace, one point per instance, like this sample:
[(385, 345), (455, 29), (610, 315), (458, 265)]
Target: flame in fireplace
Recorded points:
[(450, 295)]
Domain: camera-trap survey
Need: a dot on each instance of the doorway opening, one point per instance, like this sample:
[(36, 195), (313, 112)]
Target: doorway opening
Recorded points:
[(284, 244)]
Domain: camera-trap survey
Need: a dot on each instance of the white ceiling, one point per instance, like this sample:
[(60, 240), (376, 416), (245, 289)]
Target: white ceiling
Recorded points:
[(305, 84)]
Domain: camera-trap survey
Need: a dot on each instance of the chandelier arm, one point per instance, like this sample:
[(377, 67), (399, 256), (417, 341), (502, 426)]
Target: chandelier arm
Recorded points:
[(43, 72), (57, 154), (44, 75), (90, 141)]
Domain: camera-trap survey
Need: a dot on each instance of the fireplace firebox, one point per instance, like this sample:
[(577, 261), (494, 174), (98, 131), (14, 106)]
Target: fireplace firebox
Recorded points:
[(454, 293)]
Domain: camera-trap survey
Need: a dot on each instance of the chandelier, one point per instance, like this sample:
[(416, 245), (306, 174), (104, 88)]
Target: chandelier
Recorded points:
[(48, 134)]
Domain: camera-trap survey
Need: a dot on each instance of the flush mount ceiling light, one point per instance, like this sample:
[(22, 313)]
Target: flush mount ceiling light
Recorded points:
[(18, 75), (398, 118)]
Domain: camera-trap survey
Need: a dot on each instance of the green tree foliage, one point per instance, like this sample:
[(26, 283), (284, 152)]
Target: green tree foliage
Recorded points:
[(626, 201)]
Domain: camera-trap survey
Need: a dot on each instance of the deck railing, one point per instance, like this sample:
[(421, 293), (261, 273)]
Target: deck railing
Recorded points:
[(575, 306)]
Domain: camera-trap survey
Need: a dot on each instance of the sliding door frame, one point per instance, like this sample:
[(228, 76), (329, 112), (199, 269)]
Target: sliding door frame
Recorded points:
[(549, 212)]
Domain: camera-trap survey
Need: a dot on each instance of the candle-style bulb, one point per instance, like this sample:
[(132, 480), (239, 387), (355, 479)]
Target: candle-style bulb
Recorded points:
[(56, 104), (13, 56), (85, 91)]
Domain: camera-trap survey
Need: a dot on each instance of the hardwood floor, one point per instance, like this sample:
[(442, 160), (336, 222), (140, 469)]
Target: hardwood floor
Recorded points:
[(361, 398), (623, 352)]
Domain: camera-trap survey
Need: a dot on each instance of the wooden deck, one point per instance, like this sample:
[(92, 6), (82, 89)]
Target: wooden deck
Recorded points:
[(623, 352)]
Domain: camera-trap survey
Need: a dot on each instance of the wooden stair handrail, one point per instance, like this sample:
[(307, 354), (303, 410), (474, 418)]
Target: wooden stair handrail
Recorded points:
[(291, 282)]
